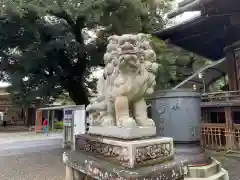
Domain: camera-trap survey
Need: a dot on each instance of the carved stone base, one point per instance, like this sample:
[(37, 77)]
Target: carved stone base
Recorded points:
[(88, 165), (128, 153), (123, 133), (84, 164)]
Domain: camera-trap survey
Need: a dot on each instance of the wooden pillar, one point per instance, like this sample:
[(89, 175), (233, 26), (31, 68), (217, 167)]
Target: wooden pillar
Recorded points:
[(232, 76), (229, 128), (38, 121), (237, 66)]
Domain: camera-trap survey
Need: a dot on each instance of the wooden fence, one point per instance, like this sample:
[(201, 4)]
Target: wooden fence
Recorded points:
[(218, 137)]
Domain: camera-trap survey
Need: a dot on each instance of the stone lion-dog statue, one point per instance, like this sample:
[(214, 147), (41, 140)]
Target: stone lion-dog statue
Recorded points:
[(128, 77)]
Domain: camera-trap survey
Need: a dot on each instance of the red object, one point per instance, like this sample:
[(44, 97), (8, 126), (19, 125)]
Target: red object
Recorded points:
[(45, 122), (198, 165)]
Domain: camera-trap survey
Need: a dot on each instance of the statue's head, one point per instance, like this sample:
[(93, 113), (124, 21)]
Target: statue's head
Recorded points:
[(128, 51)]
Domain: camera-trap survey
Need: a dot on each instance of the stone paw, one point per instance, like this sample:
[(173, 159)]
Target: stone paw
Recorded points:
[(108, 121), (127, 123), (146, 122), (149, 123)]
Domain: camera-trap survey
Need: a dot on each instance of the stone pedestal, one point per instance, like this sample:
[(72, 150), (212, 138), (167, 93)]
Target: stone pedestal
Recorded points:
[(97, 168), (123, 133), (128, 153), (80, 164), (194, 152), (127, 156)]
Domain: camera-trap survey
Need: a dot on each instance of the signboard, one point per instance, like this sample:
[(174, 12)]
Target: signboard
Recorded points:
[(79, 122), (68, 117)]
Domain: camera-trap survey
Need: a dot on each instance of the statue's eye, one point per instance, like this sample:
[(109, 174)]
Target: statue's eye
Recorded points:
[(122, 42), (132, 41), (144, 47)]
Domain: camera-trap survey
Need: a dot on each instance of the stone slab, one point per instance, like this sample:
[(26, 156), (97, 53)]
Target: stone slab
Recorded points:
[(123, 133), (205, 171), (213, 171), (128, 153), (222, 175), (97, 168)]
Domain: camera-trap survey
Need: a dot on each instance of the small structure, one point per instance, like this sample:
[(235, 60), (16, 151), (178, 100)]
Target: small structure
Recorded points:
[(73, 121), (215, 35), (121, 142), (11, 111)]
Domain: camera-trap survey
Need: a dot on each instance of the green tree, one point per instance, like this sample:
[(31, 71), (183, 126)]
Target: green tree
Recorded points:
[(46, 49), (175, 63)]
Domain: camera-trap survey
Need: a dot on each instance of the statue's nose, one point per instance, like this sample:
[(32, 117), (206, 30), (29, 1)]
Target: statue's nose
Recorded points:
[(127, 46)]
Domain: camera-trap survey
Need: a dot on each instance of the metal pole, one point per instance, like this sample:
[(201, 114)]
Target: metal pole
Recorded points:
[(64, 131), (48, 117), (36, 117), (53, 115)]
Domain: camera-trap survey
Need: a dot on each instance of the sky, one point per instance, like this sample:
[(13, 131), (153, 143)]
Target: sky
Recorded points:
[(181, 18), (185, 16)]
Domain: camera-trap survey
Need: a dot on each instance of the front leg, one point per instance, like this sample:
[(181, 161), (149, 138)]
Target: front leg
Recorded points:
[(109, 118), (140, 113), (122, 112)]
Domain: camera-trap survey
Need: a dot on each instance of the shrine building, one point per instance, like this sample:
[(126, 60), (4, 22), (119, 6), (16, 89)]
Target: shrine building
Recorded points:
[(215, 35)]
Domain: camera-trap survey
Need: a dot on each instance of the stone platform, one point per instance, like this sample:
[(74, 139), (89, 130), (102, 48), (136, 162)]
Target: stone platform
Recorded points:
[(108, 158), (123, 133), (128, 153), (213, 171), (80, 164)]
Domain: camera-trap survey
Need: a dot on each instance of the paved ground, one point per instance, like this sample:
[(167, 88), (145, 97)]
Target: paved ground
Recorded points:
[(27, 136), (40, 158), (232, 165), (45, 165), (13, 128), (28, 156)]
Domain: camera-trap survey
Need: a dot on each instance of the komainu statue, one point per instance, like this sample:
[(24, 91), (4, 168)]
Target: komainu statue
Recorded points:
[(128, 77)]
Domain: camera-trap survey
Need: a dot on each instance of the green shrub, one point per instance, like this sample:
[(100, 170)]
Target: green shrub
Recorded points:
[(59, 125)]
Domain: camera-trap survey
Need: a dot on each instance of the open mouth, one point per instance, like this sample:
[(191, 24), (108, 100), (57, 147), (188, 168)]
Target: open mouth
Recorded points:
[(130, 52)]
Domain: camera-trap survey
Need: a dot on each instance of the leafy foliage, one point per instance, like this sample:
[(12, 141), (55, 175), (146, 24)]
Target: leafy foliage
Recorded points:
[(175, 64), (46, 49)]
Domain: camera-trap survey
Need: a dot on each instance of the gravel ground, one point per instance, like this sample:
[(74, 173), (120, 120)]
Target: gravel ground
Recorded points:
[(33, 166), (232, 165), (47, 165), (27, 136)]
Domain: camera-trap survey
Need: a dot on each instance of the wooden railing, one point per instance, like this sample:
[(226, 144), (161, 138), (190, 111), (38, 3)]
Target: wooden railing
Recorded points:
[(213, 136), (218, 137), (237, 136), (220, 96)]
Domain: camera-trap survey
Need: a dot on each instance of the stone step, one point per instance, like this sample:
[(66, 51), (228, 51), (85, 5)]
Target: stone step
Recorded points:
[(205, 171), (222, 175)]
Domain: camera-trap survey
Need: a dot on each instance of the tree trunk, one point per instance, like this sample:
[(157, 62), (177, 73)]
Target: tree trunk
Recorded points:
[(77, 93)]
